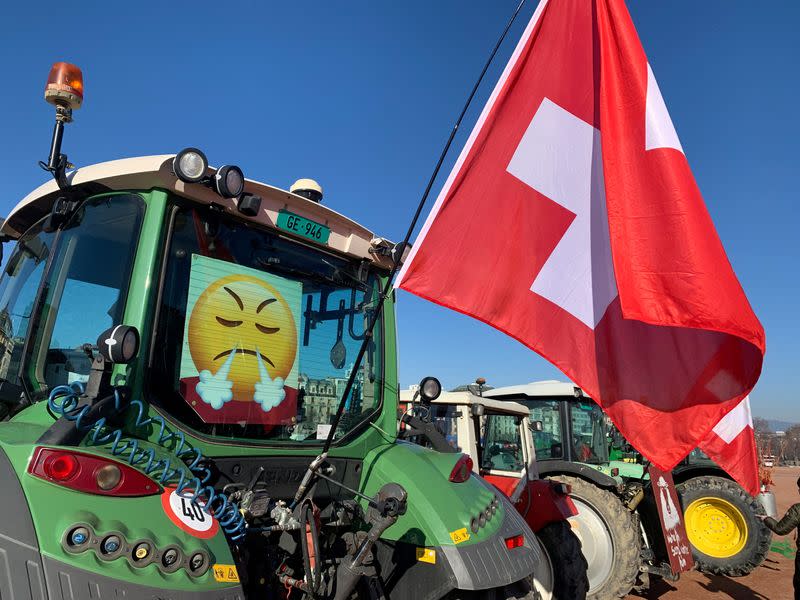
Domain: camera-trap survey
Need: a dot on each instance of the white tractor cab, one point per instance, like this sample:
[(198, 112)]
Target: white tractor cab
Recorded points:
[(495, 439), (617, 520)]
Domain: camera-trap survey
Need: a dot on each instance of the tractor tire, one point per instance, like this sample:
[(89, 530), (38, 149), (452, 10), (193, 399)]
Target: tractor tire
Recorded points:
[(566, 563), (609, 536), (721, 524)]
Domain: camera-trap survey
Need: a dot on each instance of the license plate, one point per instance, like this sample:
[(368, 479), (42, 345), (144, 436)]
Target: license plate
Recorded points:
[(303, 227)]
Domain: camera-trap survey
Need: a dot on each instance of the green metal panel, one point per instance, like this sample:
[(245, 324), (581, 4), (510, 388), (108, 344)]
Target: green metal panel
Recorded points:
[(55, 509), (139, 305), (436, 506)]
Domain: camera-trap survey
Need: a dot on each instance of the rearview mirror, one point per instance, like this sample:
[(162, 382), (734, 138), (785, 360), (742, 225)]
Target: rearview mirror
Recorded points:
[(536, 426)]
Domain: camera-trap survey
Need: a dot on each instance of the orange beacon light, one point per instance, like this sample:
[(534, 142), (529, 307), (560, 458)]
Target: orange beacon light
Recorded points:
[(64, 90), (64, 86)]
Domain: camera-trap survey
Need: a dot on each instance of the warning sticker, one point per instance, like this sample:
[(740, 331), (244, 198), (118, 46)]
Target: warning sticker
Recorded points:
[(459, 535), (225, 573), (427, 555), (189, 515)]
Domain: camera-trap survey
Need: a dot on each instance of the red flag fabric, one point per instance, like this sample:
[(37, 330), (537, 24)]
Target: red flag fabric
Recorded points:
[(732, 445), (572, 222)]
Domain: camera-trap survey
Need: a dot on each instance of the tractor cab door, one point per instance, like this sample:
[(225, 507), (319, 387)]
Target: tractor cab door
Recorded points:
[(550, 441), (503, 454)]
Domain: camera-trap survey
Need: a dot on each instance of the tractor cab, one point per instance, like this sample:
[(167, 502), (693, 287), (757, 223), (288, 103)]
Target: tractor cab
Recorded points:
[(574, 428), (198, 398)]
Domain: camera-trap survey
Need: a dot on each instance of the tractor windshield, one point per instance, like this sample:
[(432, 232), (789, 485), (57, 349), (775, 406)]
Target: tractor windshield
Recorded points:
[(257, 334), (589, 433)]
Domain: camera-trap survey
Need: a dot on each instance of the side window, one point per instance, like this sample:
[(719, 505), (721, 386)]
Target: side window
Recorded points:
[(18, 287), (589, 432), (548, 442), (502, 450), (86, 286)]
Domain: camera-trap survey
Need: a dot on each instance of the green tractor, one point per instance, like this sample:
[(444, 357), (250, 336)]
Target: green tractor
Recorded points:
[(617, 519), (222, 437)]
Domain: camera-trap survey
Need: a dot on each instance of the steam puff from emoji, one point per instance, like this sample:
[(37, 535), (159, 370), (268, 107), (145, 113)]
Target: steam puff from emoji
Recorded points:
[(243, 341)]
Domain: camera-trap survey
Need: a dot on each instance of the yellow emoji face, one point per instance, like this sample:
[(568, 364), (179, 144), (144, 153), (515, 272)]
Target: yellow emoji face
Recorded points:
[(244, 315)]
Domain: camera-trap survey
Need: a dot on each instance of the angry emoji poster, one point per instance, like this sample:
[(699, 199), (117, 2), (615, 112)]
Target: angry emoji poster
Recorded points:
[(239, 361)]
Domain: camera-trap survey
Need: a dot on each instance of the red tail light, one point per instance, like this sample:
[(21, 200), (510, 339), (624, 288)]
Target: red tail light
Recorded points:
[(61, 467), (462, 470), (90, 474), (515, 542)]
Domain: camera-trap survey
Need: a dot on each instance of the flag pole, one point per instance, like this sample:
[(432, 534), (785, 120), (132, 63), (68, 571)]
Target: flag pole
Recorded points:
[(397, 258)]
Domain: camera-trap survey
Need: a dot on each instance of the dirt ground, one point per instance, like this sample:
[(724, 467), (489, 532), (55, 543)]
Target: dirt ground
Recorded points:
[(771, 581)]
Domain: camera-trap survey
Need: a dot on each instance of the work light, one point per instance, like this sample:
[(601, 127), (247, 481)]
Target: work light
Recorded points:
[(119, 344), (229, 181), (429, 389), (190, 165)]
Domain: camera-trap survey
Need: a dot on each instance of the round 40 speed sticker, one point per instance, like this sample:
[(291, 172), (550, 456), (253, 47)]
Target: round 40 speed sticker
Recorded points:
[(189, 515)]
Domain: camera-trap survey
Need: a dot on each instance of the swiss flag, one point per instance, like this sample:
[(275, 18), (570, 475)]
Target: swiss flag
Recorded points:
[(732, 445), (572, 222)]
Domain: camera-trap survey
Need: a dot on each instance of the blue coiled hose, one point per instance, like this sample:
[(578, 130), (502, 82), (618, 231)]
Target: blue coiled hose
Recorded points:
[(64, 401)]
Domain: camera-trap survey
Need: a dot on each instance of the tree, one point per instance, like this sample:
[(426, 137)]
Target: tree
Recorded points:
[(764, 437), (792, 450), (761, 426)]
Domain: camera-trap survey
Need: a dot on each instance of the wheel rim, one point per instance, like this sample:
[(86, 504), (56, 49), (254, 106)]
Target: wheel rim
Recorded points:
[(596, 543), (544, 579), (715, 527)]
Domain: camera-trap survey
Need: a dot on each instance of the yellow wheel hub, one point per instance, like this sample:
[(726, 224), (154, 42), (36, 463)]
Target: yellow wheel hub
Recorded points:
[(715, 527)]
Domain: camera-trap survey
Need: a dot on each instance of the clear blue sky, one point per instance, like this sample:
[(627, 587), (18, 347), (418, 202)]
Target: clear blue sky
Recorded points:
[(361, 96)]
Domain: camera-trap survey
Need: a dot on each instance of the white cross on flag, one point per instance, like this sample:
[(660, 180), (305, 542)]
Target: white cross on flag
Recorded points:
[(572, 222), (732, 445)]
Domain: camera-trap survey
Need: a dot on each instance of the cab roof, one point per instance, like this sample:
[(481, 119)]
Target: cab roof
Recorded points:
[(536, 389), (468, 399), (148, 172)]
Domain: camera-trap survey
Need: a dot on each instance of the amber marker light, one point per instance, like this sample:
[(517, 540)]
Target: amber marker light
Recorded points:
[(64, 86)]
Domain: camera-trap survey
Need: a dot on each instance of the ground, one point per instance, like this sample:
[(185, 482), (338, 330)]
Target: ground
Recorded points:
[(771, 581)]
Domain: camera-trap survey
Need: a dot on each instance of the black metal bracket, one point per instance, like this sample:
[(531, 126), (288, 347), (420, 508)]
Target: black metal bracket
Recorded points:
[(57, 164), (63, 209)]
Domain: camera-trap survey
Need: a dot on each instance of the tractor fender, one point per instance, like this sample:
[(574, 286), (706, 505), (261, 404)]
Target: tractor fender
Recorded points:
[(683, 473), (563, 467), (549, 502), (24, 574)]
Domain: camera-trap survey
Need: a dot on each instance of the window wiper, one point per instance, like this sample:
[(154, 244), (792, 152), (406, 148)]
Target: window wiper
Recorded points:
[(315, 277), (276, 266), (359, 281)]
